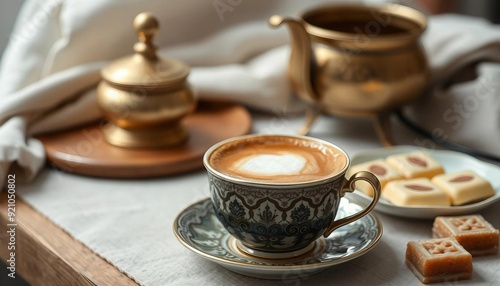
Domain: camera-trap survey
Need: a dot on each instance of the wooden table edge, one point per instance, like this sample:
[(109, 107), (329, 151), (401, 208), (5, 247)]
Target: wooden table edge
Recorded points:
[(45, 254)]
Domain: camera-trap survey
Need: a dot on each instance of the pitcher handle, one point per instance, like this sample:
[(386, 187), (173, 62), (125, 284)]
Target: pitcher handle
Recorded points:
[(348, 186)]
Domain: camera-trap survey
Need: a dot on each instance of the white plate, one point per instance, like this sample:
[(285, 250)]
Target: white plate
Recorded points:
[(451, 161)]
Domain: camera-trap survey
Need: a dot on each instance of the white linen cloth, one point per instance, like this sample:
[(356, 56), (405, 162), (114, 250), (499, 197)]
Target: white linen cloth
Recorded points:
[(129, 222), (57, 48), (467, 112)]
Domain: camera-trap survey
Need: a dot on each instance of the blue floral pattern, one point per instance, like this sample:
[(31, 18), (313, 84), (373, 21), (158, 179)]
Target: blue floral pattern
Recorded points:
[(301, 213), (274, 219), (236, 209)]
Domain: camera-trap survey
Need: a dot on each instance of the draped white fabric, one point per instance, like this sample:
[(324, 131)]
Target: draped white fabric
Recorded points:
[(467, 112), (51, 65)]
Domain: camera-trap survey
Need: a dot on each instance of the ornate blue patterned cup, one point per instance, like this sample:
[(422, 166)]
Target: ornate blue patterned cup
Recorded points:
[(278, 194)]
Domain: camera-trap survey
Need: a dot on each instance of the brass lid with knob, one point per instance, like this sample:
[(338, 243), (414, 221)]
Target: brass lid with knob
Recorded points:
[(145, 68), (143, 96)]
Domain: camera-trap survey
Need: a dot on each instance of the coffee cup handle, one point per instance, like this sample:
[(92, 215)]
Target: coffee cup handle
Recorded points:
[(348, 186)]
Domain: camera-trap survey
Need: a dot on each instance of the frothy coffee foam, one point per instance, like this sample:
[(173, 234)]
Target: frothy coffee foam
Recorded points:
[(272, 165), (277, 159)]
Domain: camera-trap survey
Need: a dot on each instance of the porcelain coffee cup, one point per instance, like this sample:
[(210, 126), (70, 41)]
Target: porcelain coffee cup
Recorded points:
[(277, 194)]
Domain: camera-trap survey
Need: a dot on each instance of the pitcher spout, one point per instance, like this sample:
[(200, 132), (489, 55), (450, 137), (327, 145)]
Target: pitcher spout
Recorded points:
[(300, 68)]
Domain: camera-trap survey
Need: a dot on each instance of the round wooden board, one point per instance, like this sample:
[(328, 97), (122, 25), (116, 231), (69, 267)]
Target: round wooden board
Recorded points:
[(84, 150)]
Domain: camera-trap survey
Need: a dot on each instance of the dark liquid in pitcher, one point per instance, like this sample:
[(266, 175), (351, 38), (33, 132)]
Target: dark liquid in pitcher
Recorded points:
[(361, 27)]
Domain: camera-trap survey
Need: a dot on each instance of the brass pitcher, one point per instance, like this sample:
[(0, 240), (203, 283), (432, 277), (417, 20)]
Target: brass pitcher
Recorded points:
[(357, 60)]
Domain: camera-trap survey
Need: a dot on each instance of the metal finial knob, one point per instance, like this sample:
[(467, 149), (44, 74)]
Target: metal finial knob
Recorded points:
[(146, 25)]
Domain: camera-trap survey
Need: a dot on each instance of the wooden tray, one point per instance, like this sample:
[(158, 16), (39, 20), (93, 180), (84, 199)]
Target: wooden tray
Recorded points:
[(84, 150)]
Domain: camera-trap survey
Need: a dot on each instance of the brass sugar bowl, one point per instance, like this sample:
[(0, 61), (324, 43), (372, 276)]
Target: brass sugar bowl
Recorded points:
[(144, 97), (357, 60)]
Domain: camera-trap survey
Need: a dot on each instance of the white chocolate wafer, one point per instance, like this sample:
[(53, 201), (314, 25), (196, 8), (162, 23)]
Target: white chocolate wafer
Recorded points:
[(415, 165), (380, 169), (464, 187), (416, 192)]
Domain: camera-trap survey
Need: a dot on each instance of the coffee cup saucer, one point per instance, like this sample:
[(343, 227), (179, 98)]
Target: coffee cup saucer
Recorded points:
[(198, 229)]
